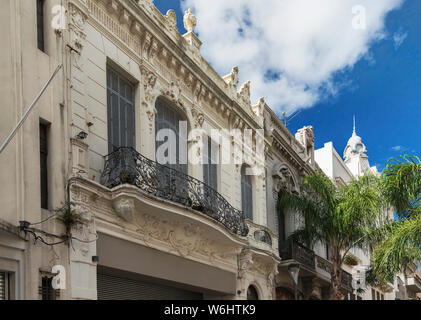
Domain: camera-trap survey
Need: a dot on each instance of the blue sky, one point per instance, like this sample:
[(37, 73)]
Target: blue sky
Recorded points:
[(383, 89)]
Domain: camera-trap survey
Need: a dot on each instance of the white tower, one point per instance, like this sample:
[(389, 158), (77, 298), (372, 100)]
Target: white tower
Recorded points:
[(355, 156)]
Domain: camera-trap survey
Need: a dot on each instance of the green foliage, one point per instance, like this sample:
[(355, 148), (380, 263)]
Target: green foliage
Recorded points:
[(350, 260), (340, 217), (401, 242), (69, 218)]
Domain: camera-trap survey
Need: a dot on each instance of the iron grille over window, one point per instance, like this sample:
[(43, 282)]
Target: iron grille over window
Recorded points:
[(120, 111), (40, 24), (47, 291), (43, 150), (246, 194)]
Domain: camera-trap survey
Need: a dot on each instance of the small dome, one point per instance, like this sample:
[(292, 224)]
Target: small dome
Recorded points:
[(355, 146)]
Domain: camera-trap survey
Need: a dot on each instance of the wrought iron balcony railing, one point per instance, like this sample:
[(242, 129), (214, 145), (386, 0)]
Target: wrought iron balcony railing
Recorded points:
[(293, 250), (126, 165), (346, 278)]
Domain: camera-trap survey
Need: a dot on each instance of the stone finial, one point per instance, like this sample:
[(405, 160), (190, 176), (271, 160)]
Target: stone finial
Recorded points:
[(189, 20), (245, 92), (258, 109)]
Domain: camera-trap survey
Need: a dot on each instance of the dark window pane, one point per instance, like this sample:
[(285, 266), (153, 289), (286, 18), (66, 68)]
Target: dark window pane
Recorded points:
[(43, 149), (40, 24), (246, 194), (121, 112), (47, 291)]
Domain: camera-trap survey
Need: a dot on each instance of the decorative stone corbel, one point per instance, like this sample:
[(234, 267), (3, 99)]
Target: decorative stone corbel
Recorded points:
[(124, 17), (245, 260), (112, 6), (124, 208), (136, 28)]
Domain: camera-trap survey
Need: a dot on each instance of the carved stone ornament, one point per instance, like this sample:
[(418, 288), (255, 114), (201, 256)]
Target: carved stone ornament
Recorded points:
[(189, 20), (259, 108), (245, 260), (245, 92), (198, 119), (149, 82), (77, 26), (185, 239), (173, 92), (125, 209), (283, 179), (171, 19)]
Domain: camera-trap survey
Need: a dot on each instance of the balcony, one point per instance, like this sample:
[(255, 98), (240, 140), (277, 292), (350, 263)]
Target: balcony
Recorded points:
[(292, 250), (414, 283), (127, 166), (326, 266)]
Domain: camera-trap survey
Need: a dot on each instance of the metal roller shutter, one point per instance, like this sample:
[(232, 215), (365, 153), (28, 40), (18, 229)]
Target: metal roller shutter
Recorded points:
[(118, 288), (2, 286)]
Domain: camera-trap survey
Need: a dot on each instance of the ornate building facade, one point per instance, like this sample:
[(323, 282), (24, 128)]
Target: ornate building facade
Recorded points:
[(97, 214)]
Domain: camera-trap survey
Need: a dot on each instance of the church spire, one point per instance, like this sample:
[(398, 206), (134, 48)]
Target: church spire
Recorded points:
[(354, 132)]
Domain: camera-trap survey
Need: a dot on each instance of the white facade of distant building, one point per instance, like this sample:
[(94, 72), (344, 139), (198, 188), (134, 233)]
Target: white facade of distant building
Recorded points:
[(354, 165)]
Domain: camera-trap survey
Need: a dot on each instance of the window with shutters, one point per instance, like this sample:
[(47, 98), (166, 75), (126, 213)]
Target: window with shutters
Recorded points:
[(210, 163), (246, 194), (40, 24), (168, 118), (43, 150), (120, 111)]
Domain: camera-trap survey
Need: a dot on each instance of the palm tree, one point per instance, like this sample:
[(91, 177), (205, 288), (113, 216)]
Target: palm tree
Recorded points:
[(339, 217), (401, 243)]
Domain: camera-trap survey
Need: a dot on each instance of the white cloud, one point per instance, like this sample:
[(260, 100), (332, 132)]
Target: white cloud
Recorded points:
[(301, 44), (397, 148), (399, 37)]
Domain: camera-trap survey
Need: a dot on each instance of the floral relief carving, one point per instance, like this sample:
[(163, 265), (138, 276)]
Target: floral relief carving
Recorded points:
[(77, 26), (185, 238)]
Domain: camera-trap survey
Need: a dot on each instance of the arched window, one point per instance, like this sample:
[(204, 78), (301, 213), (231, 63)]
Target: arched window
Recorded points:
[(168, 117), (252, 293), (246, 193)]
